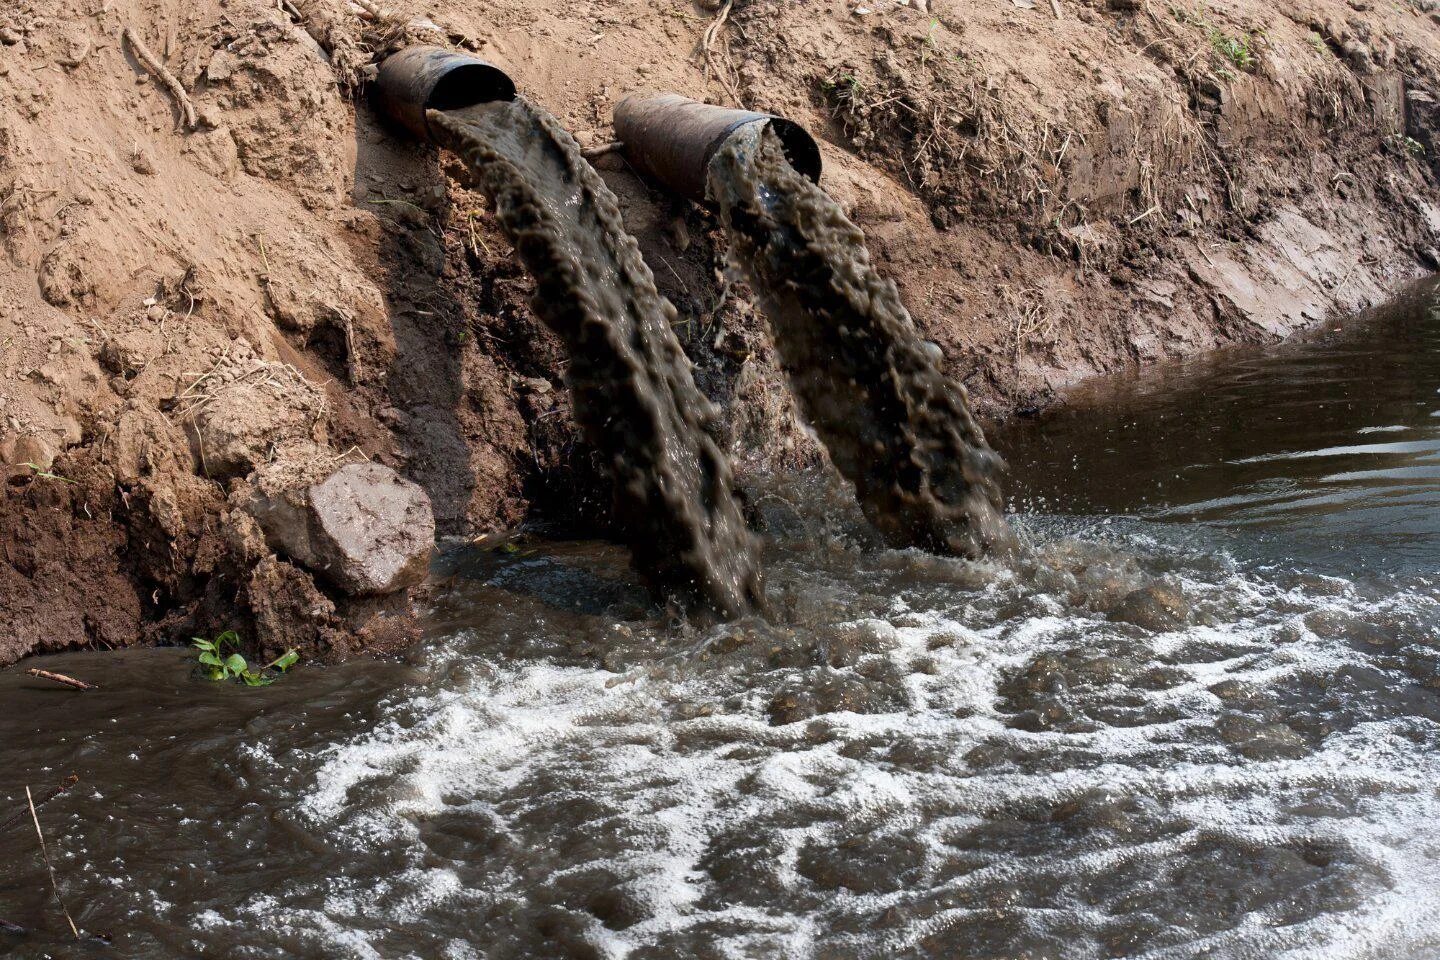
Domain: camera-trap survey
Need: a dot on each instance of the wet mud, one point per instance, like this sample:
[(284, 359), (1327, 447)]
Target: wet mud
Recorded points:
[(894, 425), (634, 393)]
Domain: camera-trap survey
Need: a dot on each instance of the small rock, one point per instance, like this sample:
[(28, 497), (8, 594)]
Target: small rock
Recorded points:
[(36, 451), (142, 163), (243, 421), (221, 67), (1159, 607), (364, 528), (10, 36), (1359, 56)]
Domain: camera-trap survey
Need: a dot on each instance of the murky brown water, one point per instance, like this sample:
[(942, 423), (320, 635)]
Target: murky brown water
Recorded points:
[(894, 425), (634, 392), (1171, 729)]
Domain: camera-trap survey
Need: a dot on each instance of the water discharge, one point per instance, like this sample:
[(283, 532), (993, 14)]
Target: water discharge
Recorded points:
[(894, 425), (917, 756), (634, 393)]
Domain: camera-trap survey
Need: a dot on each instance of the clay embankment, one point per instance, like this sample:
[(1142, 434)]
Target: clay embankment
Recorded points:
[(282, 289)]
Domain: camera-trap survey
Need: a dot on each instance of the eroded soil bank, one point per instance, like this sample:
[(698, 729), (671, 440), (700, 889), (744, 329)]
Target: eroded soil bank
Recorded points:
[(194, 316)]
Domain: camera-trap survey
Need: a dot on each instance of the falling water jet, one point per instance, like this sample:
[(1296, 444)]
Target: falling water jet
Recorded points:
[(634, 393), (894, 425)]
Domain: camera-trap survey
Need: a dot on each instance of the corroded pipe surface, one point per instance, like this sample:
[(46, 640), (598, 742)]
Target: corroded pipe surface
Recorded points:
[(671, 139), (432, 78)]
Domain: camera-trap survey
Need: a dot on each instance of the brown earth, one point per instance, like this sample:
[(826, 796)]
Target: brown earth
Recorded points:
[(1057, 196)]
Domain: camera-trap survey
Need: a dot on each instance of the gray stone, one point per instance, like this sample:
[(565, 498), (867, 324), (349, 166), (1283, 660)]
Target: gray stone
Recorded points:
[(1159, 607), (363, 528)]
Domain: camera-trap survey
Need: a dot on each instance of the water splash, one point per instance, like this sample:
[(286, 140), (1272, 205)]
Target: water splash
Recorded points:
[(894, 425), (634, 393)]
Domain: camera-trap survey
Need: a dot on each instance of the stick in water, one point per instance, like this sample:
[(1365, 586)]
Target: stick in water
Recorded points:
[(65, 784), (62, 679), (55, 887)]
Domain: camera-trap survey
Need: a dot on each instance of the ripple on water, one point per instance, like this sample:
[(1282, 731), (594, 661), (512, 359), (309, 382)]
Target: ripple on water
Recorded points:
[(972, 764)]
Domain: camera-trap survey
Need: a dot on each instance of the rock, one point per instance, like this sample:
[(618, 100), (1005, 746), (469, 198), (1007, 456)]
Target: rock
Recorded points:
[(1359, 56), (251, 411), (142, 163), (363, 527), (127, 354), (1157, 607), (36, 451), (222, 66)]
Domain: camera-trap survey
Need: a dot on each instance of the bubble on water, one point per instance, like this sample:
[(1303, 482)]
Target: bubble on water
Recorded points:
[(960, 765)]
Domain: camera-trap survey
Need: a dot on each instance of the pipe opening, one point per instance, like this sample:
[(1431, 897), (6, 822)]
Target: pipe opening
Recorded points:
[(432, 78), (800, 148), (469, 83)]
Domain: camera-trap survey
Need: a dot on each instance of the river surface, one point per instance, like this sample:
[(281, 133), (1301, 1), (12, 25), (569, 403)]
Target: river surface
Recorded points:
[(1198, 717)]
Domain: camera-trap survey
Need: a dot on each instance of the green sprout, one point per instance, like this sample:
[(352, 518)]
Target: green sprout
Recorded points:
[(221, 661), (44, 474)]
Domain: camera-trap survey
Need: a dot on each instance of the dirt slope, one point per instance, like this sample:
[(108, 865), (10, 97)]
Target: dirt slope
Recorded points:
[(1057, 197)]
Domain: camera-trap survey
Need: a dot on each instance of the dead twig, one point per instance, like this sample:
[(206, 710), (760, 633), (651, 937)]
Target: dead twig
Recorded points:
[(61, 679), (54, 886), (188, 119), (707, 46), (595, 153)]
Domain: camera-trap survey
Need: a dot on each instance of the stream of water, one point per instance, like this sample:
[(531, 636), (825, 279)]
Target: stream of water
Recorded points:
[(893, 424), (1199, 716), (634, 393)]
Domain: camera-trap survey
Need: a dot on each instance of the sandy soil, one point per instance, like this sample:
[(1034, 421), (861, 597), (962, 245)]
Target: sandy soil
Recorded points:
[(1059, 192)]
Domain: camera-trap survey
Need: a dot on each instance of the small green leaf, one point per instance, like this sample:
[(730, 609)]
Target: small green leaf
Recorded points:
[(202, 644), (211, 660), (286, 661), (236, 664), (228, 638)]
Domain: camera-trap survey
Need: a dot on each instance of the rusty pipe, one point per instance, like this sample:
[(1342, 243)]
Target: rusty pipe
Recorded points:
[(432, 78), (671, 139)]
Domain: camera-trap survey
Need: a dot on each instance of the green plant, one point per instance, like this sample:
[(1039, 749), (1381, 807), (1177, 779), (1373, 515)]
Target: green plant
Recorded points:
[(1233, 48), (930, 43), (1404, 144), (1318, 42), (44, 474), (221, 661), (1236, 49)]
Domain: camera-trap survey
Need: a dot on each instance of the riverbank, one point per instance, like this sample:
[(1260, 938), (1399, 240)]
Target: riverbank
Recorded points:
[(281, 285)]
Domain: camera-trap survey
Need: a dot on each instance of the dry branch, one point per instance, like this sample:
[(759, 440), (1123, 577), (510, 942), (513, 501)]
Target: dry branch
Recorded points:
[(61, 679), (54, 886), (182, 99), (707, 45)]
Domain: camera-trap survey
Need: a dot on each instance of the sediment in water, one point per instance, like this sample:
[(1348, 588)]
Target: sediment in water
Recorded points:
[(894, 425), (634, 393)]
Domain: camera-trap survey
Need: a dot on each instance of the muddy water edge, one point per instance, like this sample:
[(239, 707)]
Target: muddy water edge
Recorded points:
[(1176, 726), (634, 392)]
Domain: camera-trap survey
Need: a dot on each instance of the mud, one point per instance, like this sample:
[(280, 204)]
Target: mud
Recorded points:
[(1054, 200), (634, 392), (894, 425)]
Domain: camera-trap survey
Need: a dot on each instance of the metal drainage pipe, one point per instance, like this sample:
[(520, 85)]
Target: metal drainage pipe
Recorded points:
[(671, 139), (432, 78)]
